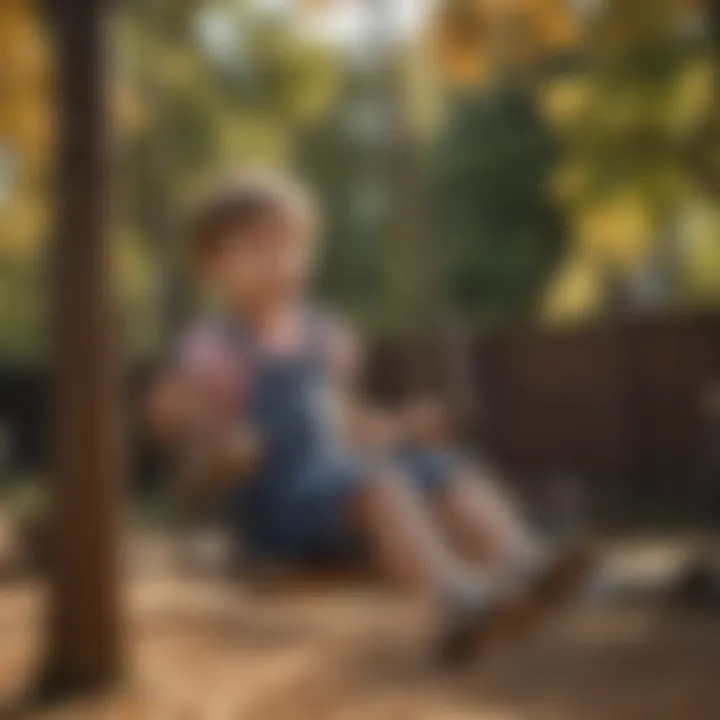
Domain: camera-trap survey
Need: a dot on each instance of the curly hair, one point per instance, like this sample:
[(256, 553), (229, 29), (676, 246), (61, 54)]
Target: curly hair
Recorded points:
[(240, 200)]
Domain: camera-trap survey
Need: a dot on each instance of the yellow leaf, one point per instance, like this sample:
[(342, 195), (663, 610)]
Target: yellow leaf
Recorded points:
[(700, 251), (554, 22), (23, 225), (253, 139), (564, 102), (178, 68), (570, 181), (691, 99), (128, 109), (617, 232), (576, 292), (457, 40)]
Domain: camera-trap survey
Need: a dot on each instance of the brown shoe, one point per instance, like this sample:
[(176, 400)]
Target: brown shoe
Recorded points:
[(556, 585), (468, 633), (510, 614)]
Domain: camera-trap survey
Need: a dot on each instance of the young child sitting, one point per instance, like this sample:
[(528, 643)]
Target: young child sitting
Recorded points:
[(304, 489)]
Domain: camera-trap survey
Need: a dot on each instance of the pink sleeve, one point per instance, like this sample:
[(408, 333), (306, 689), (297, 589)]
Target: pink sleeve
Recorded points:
[(213, 369), (203, 351)]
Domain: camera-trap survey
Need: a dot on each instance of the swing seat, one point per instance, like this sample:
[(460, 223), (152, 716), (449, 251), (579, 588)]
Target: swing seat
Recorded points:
[(194, 493), (262, 576), (309, 580)]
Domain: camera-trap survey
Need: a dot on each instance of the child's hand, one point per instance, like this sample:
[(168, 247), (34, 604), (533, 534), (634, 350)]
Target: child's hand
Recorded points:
[(240, 451), (169, 410), (213, 378), (227, 459)]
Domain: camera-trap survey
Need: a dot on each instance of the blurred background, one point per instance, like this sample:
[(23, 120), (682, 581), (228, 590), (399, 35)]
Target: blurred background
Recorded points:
[(520, 200), (521, 208)]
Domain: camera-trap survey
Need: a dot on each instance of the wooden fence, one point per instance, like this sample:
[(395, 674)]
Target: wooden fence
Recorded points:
[(620, 409)]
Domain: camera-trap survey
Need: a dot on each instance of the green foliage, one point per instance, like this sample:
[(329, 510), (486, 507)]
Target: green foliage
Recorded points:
[(219, 87), (498, 227), (346, 159), (607, 167), (22, 304), (633, 121)]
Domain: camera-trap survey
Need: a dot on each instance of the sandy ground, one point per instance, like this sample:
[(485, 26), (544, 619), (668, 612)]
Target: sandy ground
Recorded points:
[(207, 651)]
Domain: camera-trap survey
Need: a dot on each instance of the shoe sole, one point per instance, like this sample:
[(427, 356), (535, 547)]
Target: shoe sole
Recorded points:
[(557, 588)]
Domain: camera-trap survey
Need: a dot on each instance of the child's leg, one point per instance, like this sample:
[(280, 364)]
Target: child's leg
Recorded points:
[(397, 524), (488, 528), (484, 524), (392, 518), (405, 539)]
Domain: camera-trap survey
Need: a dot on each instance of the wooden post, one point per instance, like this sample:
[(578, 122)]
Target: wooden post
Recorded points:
[(408, 248), (419, 281), (84, 633)]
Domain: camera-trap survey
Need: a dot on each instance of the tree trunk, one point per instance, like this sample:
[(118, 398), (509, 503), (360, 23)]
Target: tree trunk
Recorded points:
[(84, 634)]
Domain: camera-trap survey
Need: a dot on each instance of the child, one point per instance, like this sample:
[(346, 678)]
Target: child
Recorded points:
[(269, 362)]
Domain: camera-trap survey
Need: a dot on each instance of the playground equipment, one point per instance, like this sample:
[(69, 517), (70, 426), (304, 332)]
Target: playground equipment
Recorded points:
[(84, 648)]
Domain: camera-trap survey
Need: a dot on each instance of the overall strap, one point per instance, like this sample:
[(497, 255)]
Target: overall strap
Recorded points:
[(317, 336), (243, 348)]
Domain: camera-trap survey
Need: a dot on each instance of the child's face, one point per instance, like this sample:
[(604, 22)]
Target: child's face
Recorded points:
[(262, 263)]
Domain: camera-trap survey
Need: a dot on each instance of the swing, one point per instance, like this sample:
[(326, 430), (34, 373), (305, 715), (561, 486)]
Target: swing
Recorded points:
[(194, 493)]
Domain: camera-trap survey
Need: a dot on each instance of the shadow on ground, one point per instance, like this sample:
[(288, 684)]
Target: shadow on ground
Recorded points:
[(208, 650)]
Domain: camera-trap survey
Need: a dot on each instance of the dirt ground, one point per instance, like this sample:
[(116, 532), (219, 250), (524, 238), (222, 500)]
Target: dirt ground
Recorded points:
[(207, 651)]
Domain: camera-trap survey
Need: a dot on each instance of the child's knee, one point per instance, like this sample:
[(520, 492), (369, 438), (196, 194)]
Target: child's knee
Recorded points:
[(431, 471), (387, 488)]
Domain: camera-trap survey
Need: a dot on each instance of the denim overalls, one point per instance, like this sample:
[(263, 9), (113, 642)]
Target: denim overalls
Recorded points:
[(298, 504)]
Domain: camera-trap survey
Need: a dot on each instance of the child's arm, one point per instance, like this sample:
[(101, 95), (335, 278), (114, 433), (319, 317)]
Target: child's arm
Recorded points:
[(222, 461), (166, 414), (343, 357), (196, 409), (364, 425)]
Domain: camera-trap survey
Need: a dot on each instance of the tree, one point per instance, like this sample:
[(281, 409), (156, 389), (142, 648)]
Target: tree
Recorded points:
[(631, 111), (220, 86), (502, 231), (634, 120)]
